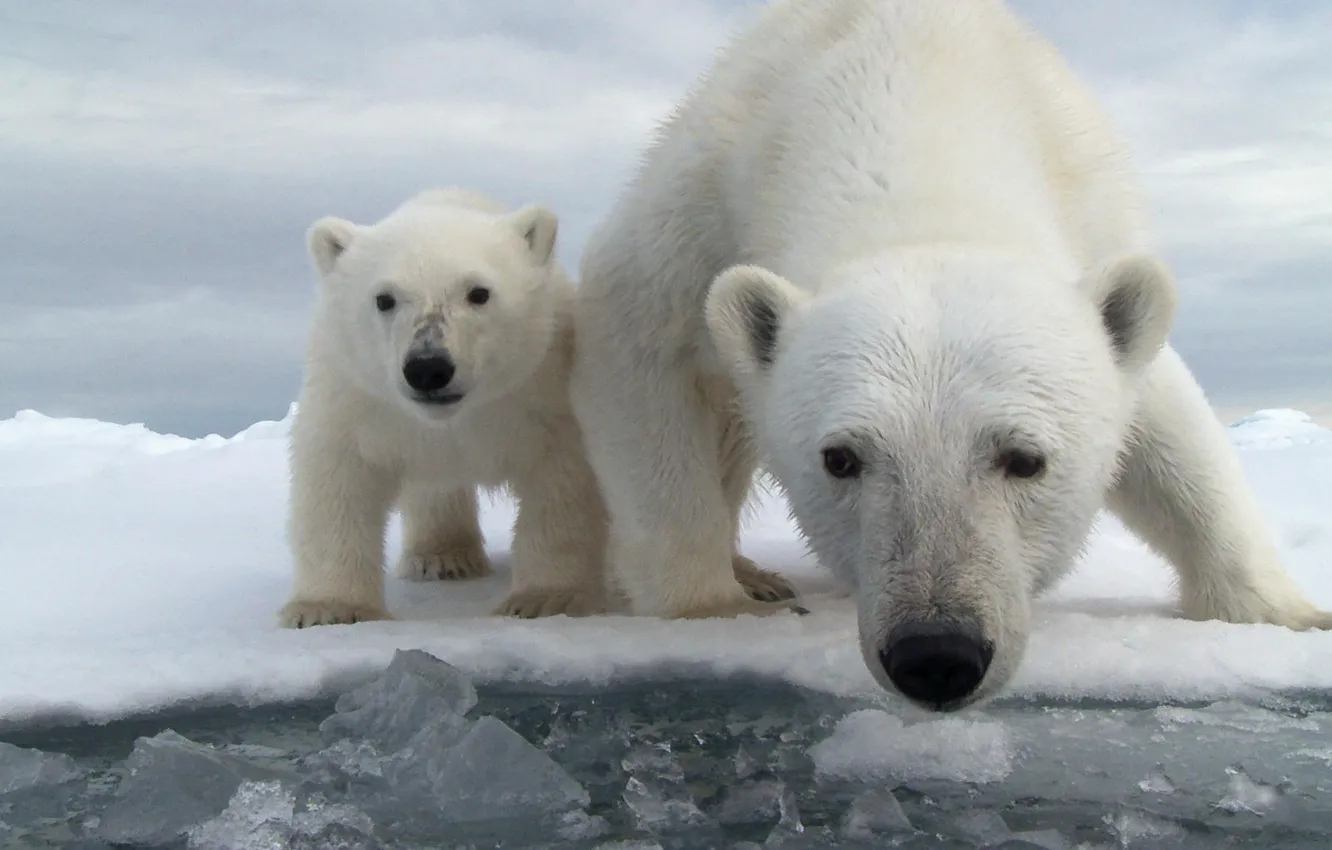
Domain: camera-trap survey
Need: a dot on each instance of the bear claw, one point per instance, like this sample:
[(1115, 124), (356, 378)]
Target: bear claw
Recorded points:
[(1299, 617), (531, 604), (762, 585), (462, 563), (745, 605), (302, 614)]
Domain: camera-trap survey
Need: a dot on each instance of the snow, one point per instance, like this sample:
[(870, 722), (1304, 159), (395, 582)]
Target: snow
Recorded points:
[(872, 745), (142, 571)]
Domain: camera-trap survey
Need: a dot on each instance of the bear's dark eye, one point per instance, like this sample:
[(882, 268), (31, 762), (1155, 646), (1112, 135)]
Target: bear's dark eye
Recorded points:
[(841, 462), (478, 295), (385, 302), (1018, 464)]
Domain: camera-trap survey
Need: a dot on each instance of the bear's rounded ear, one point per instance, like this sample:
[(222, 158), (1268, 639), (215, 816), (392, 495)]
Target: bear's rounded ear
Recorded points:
[(538, 226), (1137, 298), (327, 239), (746, 310)]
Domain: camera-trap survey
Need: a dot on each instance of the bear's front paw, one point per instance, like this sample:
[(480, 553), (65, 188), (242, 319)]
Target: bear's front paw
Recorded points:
[(302, 613), (549, 602), (1297, 614), (763, 585), (469, 561), (1301, 618), (733, 608), (1320, 620)]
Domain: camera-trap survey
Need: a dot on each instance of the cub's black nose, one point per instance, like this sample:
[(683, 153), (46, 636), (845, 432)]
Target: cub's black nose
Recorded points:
[(935, 665), (428, 373)]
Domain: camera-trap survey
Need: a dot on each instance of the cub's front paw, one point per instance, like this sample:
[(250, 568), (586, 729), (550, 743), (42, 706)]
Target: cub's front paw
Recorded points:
[(548, 602), (763, 585), (302, 613), (463, 562)]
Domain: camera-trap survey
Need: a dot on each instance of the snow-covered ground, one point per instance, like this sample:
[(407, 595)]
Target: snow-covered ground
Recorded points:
[(139, 570)]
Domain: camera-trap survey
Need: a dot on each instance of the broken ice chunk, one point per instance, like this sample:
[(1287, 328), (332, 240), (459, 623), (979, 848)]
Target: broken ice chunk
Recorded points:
[(1246, 794), (1133, 826), (21, 769), (874, 746), (655, 760), (755, 801), (342, 762), (578, 825), (655, 792), (981, 828), (417, 689), (258, 816), (660, 806), (745, 764), (790, 832), (788, 823), (316, 816), (1157, 782), (1039, 839), (875, 813), (493, 772), (172, 784), (264, 815)]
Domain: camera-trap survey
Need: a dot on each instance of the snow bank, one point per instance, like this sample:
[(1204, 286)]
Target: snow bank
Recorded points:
[(141, 570)]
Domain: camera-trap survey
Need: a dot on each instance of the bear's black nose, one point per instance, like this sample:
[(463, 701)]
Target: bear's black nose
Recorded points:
[(935, 665), (428, 373)]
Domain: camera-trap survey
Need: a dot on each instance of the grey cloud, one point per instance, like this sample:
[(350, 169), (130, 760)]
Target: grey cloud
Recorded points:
[(162, 158)]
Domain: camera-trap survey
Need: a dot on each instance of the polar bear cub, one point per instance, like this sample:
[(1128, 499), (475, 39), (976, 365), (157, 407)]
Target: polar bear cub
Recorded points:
[(893, 250), (437, 363)]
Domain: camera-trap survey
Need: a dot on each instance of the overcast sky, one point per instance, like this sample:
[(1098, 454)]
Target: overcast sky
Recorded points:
[(160, 161)]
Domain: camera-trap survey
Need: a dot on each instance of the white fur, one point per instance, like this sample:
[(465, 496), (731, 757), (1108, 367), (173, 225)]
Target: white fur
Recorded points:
[(361, 443), (927, 225)]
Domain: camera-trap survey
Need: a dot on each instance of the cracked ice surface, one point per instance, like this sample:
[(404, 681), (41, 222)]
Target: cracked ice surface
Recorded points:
[(732, 764)]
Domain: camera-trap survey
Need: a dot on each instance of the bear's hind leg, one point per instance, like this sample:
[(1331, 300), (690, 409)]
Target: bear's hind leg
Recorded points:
[(1183, 491), (442, 537)]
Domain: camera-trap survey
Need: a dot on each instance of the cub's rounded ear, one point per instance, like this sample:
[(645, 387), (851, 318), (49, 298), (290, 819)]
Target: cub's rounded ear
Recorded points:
[(327, 239), (746, 310), (1137, 298), (538, 226)]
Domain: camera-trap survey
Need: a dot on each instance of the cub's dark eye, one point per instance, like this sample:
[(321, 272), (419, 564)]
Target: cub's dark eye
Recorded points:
[(385, 302), (1017, 464), (478, 295), (841, 463)]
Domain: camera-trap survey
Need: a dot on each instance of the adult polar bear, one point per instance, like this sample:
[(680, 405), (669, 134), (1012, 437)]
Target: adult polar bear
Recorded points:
[(894, 248)]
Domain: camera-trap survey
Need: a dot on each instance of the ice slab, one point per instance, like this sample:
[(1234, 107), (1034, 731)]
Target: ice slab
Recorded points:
[(267, 815), (22, 769), (491, 773), (172, 784), (417, 691), (873, 744), (875, 813)]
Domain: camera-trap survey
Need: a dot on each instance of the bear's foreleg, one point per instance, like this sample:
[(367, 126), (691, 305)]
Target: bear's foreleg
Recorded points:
[(339, 508), (1183, 491), (653, 437)]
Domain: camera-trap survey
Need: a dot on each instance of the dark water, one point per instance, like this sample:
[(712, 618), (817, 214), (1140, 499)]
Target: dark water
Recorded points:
[(689, 763)]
